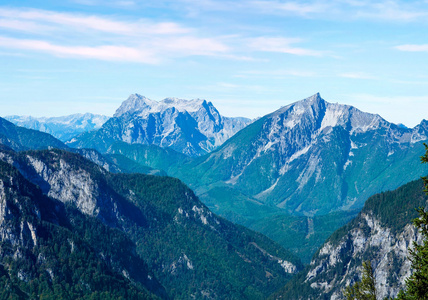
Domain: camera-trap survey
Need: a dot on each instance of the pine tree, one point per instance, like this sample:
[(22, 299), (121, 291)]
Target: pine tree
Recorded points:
[(417, 283), (364, 290)]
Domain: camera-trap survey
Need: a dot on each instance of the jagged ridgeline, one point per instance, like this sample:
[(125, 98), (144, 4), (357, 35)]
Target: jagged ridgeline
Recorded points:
[(193, 127), (381, 233), (298, 173), (124, 221)]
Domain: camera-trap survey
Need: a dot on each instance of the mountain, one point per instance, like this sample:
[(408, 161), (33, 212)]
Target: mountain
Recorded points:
[(381, 233), (63, 128), (20, 138), (116, 163), (303, 170), (192, 127), (52, 250), (313, 157), (188, 249)]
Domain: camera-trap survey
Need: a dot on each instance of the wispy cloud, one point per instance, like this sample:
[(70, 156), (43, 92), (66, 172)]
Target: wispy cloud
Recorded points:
[(357, 75), (109, 53), (279, 74), (13, 18), (140, 40), (281, 45), (413, 48), (114, 3), (392, 10), (290, 7), (375, 10), (103, 38)]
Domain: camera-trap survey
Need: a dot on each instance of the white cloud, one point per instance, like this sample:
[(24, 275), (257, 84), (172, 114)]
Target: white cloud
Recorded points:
[(290, 7), (103, 38), (85, 22), (278, 74), (109, 53), (281, 45), (144, 41), (191, 46), (23, 25), (413, 48), (357, 75), (375, 10), (384, 10), (400, 11), (114, 3)]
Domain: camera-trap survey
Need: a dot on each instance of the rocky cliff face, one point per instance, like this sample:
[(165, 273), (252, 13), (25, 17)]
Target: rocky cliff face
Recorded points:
[(388, 251), (382, 233), (178, 237), (193, 127), (47, 250)]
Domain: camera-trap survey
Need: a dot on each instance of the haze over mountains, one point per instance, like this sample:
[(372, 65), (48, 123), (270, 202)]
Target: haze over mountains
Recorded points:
[(63, 128), (295, 175)]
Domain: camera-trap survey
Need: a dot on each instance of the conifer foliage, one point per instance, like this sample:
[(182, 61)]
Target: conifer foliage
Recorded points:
[(364, 290), (417, 283)]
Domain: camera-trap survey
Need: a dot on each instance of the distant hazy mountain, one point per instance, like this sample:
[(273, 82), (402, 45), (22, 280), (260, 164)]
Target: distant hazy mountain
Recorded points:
[(381, 233), (63, 128), (20, 138), (192, 127)]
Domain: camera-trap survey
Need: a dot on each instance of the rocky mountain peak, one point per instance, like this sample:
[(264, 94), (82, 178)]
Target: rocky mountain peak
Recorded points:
[(301, 107), (315, 98), (181, 105), (135, 102), (193, 127), (322, 114)]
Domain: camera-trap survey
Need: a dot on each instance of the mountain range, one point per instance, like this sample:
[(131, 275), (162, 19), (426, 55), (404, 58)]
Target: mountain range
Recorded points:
[(63, 128), (311, 165), (296, 175), (313, 157), (166, 243)]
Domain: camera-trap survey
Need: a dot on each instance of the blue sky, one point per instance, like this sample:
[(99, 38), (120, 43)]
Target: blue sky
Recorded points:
[(248, 57)]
